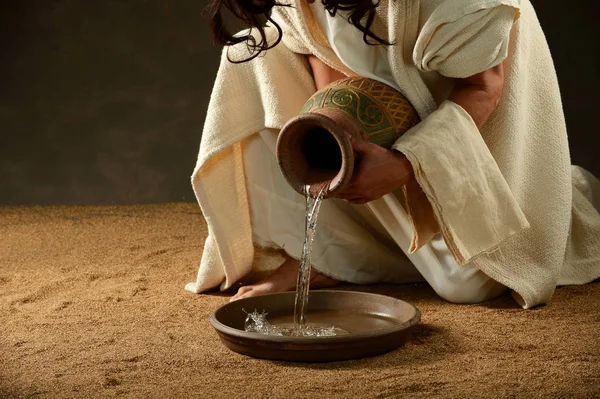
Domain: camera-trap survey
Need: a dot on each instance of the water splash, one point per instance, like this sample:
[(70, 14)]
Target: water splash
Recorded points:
[(257, 322)]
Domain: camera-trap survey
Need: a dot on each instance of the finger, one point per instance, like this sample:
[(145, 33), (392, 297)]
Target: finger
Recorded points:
[(347, 196), (360, 145), (353, 202), (349, 199), (358, 201)]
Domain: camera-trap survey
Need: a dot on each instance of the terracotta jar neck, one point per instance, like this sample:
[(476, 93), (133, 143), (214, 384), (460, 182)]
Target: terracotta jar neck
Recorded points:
[(315, 149)]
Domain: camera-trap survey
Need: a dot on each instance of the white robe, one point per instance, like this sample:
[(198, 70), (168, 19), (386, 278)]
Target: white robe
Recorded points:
[(504, 199), (353, 243)]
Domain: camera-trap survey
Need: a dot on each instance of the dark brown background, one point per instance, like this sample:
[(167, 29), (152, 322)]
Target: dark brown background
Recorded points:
[(104, 101)]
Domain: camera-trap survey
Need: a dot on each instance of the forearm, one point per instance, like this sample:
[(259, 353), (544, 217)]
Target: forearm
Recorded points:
[(480, 94), (323, 74)]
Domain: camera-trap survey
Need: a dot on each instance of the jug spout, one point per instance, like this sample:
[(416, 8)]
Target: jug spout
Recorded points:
[(315, 149)]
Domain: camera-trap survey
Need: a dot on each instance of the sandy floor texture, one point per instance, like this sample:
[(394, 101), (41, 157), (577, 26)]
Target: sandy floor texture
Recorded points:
[(92, 305)]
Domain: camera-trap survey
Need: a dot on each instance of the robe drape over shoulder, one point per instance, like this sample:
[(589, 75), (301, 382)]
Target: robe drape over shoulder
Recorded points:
[(504, 197)]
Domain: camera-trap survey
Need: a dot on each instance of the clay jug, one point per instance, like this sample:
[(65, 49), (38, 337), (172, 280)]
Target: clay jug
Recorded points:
[(315, 147)]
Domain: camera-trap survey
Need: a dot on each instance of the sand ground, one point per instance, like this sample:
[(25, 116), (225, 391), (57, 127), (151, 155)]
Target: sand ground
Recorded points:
[(92, 305)]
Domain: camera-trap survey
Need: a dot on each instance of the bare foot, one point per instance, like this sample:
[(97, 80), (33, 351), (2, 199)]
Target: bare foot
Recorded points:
[(283, 279)]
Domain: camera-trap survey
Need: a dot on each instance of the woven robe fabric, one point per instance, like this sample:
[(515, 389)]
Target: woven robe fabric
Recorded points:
[(433, 259), (520, 161), (246, 98)]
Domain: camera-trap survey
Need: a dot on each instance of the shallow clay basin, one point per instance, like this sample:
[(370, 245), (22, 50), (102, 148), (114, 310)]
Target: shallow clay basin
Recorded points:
[(376, 324)]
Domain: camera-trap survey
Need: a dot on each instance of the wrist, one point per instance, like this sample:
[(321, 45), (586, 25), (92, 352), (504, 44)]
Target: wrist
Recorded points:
[(404, 171)]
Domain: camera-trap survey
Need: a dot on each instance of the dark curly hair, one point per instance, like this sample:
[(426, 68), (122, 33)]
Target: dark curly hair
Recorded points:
[(255, 13)]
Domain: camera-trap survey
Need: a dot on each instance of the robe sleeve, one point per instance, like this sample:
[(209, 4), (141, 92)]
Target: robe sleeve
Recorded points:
[(467, 198), (458, 187), (463, 37)]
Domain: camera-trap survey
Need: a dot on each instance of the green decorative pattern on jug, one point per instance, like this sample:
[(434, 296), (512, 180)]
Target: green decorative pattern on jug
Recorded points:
[(383, 113)]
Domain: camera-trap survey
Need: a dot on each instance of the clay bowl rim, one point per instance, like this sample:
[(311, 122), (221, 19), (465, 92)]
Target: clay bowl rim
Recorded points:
[(234, 332)]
